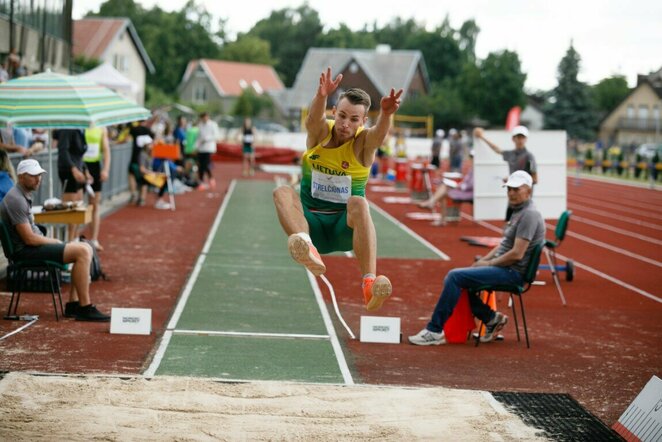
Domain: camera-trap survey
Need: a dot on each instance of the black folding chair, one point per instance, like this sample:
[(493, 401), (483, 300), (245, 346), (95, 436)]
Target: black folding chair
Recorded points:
[(29, 276), (515, 290)]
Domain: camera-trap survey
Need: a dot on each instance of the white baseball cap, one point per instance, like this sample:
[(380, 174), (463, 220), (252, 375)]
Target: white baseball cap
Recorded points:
[(439, 133), (520, 130), (31, 167), (143, 140), (518, 179)]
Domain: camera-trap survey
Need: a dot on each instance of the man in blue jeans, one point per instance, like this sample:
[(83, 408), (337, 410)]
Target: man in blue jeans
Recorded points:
[(505, 264)]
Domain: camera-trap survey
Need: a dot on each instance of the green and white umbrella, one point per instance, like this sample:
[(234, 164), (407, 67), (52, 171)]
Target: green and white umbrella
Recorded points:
[(55, 101)]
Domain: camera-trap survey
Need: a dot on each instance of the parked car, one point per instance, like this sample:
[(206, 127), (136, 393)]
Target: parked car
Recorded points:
[(647, 151)]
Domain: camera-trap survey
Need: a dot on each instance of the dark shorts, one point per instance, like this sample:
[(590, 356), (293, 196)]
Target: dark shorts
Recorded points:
[(69, 183), (247, 149), (95, 171), (47, 252), (329, 231)]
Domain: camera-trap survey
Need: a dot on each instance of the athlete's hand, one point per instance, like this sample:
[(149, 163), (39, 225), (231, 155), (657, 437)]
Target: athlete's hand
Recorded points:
[(391, 103), (327, 85)]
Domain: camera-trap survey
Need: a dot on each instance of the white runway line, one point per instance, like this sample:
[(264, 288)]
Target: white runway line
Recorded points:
[(335, 343), (580, 265), (183, 299), (158, 356), (418, 237), (643, 210), (249, 334), (21, 328)]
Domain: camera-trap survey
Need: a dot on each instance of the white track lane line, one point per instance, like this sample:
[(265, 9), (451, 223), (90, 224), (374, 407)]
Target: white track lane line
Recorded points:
[(335, 343), (633, 209), (165, 340), (625, 219), (418, 237), (616, 230), (578, 264)]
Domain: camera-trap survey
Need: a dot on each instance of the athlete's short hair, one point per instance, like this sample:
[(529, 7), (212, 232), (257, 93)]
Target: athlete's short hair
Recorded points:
[(356, 96)]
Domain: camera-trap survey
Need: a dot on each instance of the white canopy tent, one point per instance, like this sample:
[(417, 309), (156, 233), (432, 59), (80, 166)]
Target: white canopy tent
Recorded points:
[(106, 75)]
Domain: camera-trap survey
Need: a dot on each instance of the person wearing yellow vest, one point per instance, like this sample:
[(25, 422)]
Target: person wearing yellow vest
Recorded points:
[(331, 213), (97, 160)]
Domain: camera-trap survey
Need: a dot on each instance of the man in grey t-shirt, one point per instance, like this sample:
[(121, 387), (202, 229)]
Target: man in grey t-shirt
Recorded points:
[(30, 244), (505, 264), (518, 158)]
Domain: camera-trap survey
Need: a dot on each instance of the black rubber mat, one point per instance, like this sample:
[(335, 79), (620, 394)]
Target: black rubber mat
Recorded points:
[(558, 416)]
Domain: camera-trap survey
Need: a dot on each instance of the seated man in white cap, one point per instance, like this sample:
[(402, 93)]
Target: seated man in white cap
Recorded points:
[(505, 264), (30, 243)]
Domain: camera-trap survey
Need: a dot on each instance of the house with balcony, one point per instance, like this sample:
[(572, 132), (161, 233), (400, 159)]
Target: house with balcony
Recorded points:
[(637, 119)]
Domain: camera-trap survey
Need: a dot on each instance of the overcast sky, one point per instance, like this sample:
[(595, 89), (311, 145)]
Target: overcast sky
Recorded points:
[(611, 36)]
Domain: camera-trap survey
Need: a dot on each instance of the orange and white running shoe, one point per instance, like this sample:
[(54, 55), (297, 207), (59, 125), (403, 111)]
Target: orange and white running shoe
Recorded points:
[(305, 253), (375, 292)]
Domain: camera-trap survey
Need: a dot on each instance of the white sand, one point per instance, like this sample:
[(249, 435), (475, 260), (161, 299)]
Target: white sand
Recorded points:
[(191, 409)]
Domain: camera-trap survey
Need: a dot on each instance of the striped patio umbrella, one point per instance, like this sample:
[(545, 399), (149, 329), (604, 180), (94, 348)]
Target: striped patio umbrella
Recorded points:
[(55, 101)]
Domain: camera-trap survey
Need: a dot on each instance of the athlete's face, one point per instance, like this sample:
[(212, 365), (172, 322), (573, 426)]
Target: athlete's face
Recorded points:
[(349, 117)]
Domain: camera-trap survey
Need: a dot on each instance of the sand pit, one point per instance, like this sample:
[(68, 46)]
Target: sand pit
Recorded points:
[(190, 409)]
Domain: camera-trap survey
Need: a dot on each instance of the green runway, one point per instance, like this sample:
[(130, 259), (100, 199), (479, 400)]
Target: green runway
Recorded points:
[(251, 313)]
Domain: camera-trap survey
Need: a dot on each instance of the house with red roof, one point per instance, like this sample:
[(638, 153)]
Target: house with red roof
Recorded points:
[(222, 82), (115, 41)]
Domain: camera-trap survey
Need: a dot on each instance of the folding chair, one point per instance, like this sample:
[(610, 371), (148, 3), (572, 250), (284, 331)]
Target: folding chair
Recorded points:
[(167, 152), (29, 276), (516, 290), (550, 253)]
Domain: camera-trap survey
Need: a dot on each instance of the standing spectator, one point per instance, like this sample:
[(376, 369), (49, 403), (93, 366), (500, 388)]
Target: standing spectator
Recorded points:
[(207, 138), (30, 243), (435, 151), (7, 174), (97, 161), (180, 136), (71, 147), (247, 138), (456, 153), (517, 159), (137, 129)]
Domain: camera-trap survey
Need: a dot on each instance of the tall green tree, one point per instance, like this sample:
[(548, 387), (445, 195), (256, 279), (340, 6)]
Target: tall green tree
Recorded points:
[(248, 49), (609, 93), (290, 33), (344, 37), (569, 106)]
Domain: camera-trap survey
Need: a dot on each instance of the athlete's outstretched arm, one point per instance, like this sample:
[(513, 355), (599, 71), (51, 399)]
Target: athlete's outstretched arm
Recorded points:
[(316, 121)]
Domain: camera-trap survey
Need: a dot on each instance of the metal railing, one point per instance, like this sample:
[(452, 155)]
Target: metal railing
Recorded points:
[(643, 124), (117, 178)]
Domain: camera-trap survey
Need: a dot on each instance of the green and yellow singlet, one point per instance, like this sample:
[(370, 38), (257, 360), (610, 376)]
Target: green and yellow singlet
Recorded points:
[(331, 175)]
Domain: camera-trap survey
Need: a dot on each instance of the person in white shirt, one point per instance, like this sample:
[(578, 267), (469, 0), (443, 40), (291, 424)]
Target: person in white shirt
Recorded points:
[(206, 144)]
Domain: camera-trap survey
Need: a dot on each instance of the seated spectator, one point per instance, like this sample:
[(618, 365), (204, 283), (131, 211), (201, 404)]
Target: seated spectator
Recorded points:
[(30, 243), (463, 192), (505, 264), (7, 174), (8, 143)]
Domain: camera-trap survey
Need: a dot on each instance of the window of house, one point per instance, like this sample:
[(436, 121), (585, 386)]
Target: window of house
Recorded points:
[(121, 62), (257, 87), (642, 116), (630, 112), (242, 83), (200, 93)]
